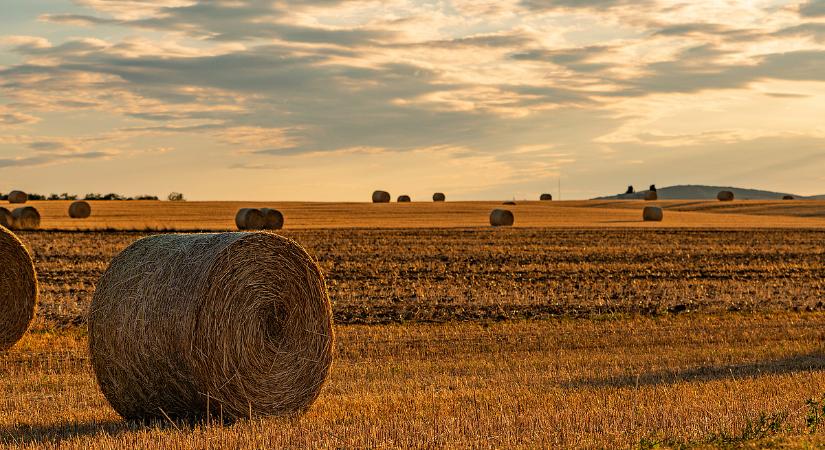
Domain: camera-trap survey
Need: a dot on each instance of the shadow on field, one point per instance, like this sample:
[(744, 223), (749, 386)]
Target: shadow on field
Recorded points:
[(56, 433), (798, 363)]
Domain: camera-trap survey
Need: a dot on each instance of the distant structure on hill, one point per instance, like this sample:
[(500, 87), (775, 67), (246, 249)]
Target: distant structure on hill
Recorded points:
[(700, 192)]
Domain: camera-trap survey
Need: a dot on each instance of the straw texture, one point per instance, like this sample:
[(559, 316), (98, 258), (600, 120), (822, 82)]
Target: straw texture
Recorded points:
[(236, 324), (18, 289)]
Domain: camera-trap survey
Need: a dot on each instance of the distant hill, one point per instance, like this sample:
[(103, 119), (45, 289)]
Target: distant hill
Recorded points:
[(698, 192)]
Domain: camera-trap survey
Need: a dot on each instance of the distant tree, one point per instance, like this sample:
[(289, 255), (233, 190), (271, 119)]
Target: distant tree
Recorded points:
[(630, 190), (37, 197), (146, 197), (652, 187), (176, 197), (54, 197)]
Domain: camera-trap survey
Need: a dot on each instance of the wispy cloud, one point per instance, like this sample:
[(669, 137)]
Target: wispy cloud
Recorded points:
[(247, 82)]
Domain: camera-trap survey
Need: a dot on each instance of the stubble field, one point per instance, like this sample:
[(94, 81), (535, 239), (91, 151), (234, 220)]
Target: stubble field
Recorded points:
[(587, 328)]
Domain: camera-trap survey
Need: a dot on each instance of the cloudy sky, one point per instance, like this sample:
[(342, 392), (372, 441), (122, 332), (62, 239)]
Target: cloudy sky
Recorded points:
[(482, 99)]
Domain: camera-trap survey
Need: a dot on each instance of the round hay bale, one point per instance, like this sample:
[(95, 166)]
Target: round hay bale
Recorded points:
[(273, 219), (80, 210), (231, 324), (788, 197), (380, 197), (651, 195), (509, 202), (26, 218), (250, 219), (725, 196), (404, 199), (439, 197), (6, 218), (18, 289), (501, 218), (18, 197), (546, 197), (653, 214)]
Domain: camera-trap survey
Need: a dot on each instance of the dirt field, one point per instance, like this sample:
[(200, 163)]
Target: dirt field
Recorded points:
[(586, 331)]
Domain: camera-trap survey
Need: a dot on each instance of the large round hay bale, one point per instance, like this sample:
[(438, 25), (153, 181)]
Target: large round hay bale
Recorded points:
[(273, 219), (26, 218), (380, 197), (18, 289), (651, 195), (653, 214), (231, 324), (725, 196), (80, 210), (18, 197), (546, 197), (439, 197), (501, 218), (404, 199), (250, 219), (788, 197), (6, 218)]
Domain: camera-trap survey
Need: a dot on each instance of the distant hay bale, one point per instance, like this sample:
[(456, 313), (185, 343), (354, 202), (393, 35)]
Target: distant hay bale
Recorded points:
[(18, 289), (250, 219), (380, 197), (509, 202), (651, 195), (18, 197), (273, 219), (230, 324), (439, 197), (653, 214), (6, 218), (404, 199), (788, 197), (501, 218), (26, 218), (725, 196), (546, 197), (80, 210)]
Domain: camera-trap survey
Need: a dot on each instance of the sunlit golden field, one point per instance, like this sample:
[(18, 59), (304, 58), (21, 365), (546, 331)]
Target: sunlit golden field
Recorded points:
[(580, 327), (142, 215)]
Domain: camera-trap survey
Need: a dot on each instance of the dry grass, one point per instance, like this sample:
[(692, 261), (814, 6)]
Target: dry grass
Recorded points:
[(558, 383), (216, 216)]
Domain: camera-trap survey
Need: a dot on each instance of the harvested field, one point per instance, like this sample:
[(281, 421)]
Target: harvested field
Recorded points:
[(216, 216), (540, 336), (420, 275)]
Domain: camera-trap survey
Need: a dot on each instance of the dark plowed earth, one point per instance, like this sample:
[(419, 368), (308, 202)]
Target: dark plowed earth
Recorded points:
[(439, 275)]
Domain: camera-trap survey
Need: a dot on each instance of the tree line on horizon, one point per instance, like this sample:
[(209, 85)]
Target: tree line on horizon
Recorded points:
[(174, 197)]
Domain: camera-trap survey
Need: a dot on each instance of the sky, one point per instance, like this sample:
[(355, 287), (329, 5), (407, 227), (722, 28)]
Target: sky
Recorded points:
[(328, 100)]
